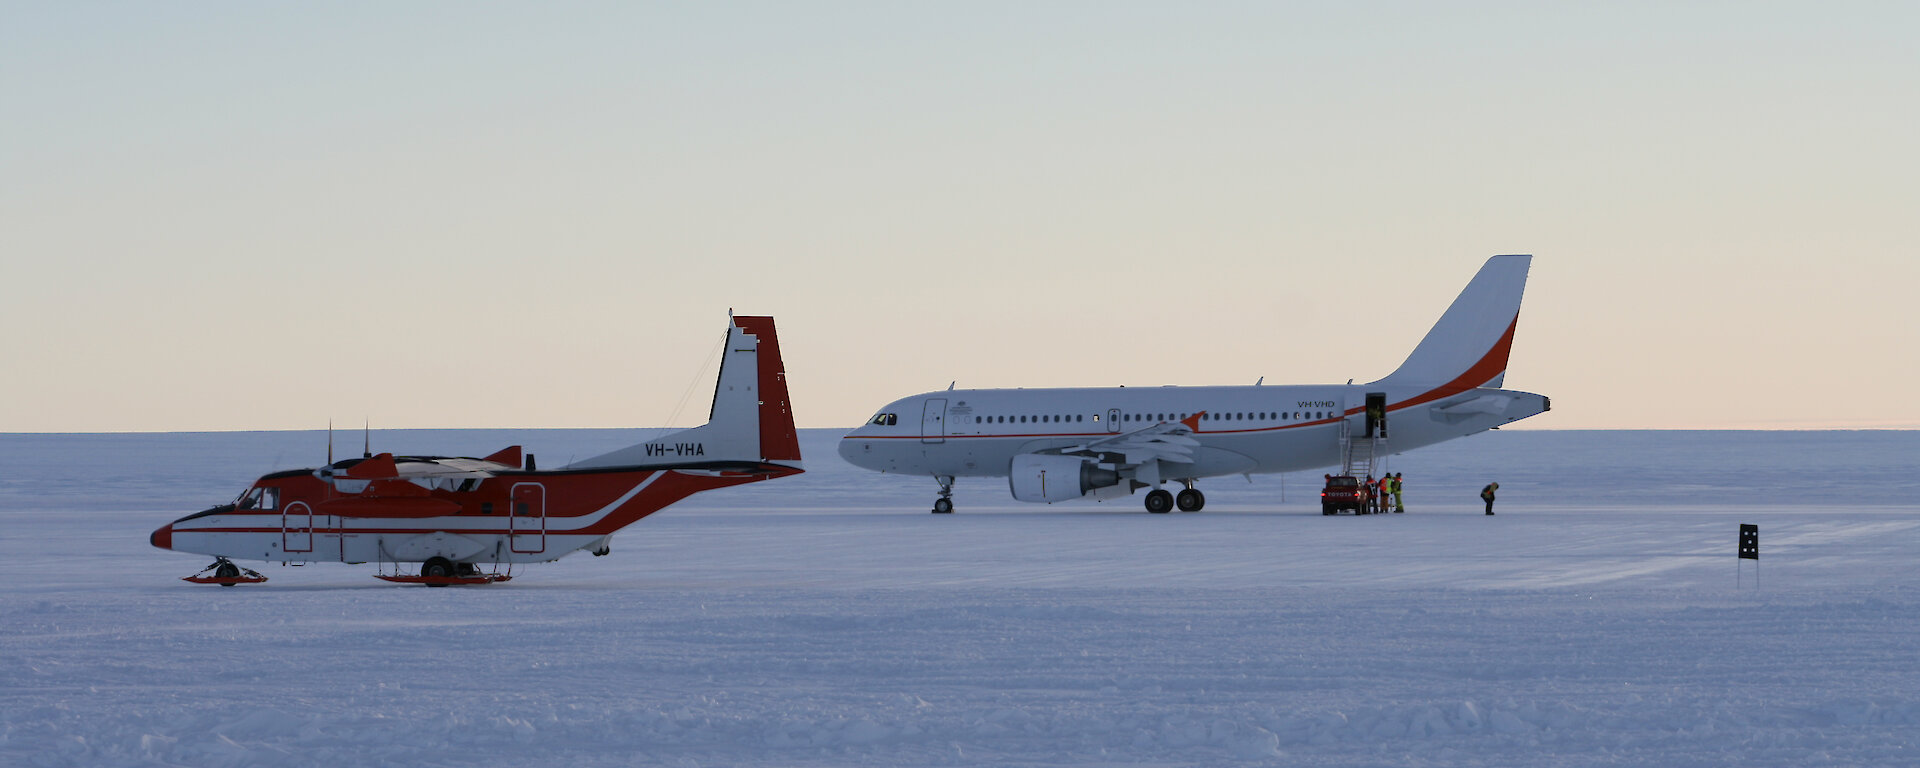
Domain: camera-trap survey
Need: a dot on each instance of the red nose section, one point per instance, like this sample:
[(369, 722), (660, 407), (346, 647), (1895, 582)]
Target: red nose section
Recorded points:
[(163, 538)]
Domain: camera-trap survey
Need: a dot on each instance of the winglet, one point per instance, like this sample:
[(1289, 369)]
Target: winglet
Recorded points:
[(1193, 422), (509, 456)]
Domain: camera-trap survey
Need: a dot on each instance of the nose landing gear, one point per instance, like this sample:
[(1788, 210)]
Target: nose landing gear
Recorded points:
[(225, 574), (944, 504)]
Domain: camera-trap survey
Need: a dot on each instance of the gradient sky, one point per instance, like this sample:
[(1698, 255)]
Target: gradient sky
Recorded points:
[(219, 216)]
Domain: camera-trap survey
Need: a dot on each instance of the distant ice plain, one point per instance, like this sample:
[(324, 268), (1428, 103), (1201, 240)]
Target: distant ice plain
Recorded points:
[(827, 619)]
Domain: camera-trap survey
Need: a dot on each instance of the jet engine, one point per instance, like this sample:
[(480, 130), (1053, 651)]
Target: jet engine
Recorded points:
[(1050, 478)]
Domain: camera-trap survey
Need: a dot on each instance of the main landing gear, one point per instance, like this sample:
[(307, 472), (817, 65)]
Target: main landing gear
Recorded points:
[(944, 504), (1160, 501), (225, 574), (441, 572)]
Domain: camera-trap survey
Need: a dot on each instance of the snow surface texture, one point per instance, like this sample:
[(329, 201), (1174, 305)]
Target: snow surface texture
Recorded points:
[(829, 620)]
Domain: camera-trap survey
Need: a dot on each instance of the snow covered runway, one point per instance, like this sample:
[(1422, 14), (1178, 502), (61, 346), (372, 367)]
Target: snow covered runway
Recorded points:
[(828, 620)]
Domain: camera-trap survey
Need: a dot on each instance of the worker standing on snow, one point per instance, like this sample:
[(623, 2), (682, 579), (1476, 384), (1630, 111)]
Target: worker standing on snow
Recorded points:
[(1486, 495), (1398, 505)]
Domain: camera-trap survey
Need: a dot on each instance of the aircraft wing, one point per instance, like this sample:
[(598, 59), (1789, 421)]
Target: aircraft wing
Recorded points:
[(1170, 441)]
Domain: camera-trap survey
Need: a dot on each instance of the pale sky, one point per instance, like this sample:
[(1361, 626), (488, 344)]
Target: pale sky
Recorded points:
[(219, 216)]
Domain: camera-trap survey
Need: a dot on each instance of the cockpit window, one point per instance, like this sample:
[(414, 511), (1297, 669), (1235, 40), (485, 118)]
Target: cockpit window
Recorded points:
[(885, 420), (260, 498)]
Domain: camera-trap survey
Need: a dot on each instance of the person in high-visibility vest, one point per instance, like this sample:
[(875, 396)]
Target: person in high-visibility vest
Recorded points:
[(1398, 505), (1486, 495)]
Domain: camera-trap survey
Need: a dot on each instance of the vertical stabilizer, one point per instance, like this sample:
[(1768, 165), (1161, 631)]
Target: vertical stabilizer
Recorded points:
[(1468, 347), (751, 418)]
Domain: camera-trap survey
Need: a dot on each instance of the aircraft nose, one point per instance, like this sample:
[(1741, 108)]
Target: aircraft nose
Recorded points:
[(163, 537), (851, 450)]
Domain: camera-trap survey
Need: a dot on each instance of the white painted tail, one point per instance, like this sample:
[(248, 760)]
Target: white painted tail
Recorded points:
[(751, 419), (1468, 348)]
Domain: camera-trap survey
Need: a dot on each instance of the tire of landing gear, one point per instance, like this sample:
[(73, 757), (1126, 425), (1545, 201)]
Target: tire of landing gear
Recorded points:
[(227, 571), (438, 567), (943, 506), (1190, 500), (1159, 501)]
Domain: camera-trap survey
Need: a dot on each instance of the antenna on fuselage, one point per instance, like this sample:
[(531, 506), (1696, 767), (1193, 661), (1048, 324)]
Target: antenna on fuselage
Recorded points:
[(329, 442), (366, 433)]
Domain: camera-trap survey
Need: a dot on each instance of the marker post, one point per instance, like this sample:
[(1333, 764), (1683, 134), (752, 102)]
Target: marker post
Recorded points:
[(1749, 550)]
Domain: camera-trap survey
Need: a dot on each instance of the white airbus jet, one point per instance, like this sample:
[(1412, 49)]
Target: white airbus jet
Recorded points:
[(1062, 444)]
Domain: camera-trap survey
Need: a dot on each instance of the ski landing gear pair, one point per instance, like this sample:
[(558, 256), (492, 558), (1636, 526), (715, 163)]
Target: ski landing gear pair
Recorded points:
[(225, 574), (441, 572), (1190, 499)]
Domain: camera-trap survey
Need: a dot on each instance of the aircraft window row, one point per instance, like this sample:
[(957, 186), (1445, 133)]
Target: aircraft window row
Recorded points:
[(1046, 419), (1143, 417)]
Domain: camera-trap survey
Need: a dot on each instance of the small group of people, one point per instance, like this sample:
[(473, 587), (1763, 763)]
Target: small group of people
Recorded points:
[(1374, 494)]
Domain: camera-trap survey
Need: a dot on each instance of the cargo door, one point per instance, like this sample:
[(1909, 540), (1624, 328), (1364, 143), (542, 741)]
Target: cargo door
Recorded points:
[(527, 519), (933, 421)]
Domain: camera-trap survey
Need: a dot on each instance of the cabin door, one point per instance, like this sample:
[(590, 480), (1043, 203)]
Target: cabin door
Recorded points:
[(296, 527), (527, 526), (1376, 414), (933, 421)]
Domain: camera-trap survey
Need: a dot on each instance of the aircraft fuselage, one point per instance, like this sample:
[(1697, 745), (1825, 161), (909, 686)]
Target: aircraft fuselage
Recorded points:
[(510, 517), (1245, 430)]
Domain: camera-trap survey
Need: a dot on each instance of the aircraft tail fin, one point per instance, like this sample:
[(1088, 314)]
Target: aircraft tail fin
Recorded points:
[(751, 419), (1468, 347)]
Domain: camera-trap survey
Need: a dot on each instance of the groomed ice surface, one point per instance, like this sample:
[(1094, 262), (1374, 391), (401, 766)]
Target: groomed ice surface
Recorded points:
[(828, 620)]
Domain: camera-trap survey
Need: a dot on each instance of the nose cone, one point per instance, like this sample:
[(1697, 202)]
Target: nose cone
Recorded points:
[(163, 537), (854, 450)]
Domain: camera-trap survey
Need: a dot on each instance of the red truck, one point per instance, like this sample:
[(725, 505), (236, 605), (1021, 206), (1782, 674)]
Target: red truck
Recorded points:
[(1343, 492)]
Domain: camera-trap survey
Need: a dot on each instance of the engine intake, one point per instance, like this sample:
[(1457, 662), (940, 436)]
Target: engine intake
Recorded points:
[(1042, 478)]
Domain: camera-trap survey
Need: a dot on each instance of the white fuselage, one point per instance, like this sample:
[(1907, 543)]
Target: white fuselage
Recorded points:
[(1246, 430)]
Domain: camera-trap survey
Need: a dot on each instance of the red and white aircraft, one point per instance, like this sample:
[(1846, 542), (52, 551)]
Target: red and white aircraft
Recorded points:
[(1062, 444), (455, 515)]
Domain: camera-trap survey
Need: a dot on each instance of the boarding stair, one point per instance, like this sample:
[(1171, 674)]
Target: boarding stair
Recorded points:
[(1360, 454)]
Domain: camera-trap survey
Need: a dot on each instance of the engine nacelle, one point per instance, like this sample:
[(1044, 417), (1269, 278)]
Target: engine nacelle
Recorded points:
[(1048, 478)]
